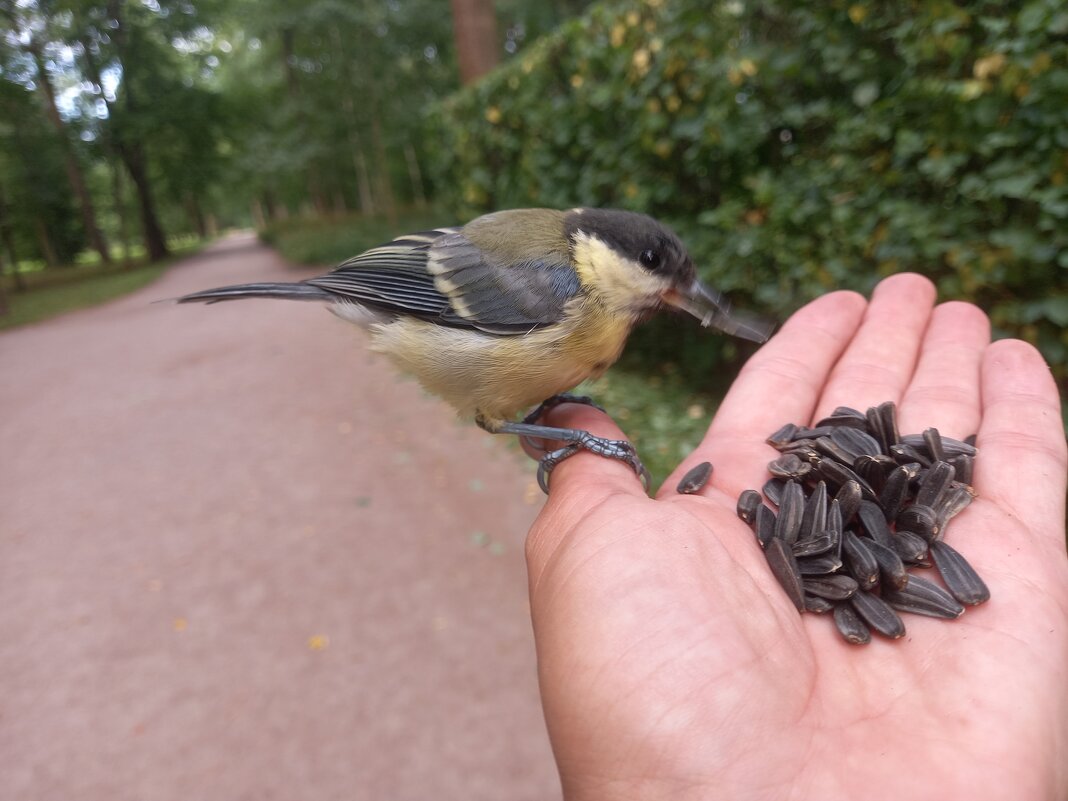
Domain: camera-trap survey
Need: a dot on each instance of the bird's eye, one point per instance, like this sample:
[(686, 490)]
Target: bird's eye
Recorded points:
[(649, 259)]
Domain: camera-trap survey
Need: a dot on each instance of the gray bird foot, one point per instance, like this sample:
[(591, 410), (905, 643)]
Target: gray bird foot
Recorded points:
[(574, 440), (610, 448)]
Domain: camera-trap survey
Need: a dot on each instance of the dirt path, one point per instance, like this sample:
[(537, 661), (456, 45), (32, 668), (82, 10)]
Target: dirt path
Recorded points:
[(241, 559)]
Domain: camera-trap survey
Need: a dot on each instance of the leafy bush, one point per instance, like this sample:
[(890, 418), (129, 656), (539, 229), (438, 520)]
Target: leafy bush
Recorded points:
[(797, 147), (329, 240)]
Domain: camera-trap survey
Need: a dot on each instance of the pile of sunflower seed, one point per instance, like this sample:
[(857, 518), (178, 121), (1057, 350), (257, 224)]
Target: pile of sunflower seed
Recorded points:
[(859, 507)]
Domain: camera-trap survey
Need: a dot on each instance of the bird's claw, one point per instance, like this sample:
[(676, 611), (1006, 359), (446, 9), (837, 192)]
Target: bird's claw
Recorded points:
[(610, 448)]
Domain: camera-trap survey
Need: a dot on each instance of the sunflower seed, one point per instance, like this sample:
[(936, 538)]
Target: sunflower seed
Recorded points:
[(789, 465), (695, 479), (872, 470), (888, 417), (875, 427), (935, 484), (828, 447), (933, 440), (963, 464), (903, 454), (813, 603), (814, 521), (909, 546), (784, 567), (877, 613), (819, 565), (773, 488), (836, 475), (813, 546), (874, 522), (955, 501), (969, 440), (919, 519), (818, 432), (791, 511), (764, 525), (891, 568), (923, 597), (783, 437), (844, 416), (748, 502), (848, 498), (855, 442), (834, 528), (894, 491), (850, 626), (836, 587), (861, 561), (950, 447), (960, 577)]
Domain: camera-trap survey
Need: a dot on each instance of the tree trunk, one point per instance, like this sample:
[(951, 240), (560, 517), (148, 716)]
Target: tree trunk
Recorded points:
[(415, 175), (119, 199), (9, 245), (385, 185), (474, 26), (359, 161), (151, 232), (132, 154), (196, 215), (74, 170), (45, 241)]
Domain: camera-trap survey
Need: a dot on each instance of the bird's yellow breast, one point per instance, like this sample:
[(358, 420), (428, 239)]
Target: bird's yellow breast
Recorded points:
[(500, 376)]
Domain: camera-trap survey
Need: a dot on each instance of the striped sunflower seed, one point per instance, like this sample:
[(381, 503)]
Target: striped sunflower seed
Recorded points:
[(960, 577), (850, 626), (695, 479), (878, 614), (784, 567), (923, 597)]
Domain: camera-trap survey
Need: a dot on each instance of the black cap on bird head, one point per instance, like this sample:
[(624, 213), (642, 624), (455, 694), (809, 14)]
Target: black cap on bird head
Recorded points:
[(652, 268)]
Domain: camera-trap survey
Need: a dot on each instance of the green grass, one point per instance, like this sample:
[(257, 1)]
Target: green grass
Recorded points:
[(59, 290)]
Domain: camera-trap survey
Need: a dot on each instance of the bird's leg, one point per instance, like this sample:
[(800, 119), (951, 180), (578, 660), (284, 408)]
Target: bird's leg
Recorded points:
[(574, 439), (552, 403), (556, 400)]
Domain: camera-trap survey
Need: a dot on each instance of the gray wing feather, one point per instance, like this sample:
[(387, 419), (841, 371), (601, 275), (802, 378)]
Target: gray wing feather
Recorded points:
[(442, 276), (500, 298)]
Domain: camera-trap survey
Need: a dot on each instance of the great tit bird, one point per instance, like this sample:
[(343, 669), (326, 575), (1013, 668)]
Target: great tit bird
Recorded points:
[(513, 309)]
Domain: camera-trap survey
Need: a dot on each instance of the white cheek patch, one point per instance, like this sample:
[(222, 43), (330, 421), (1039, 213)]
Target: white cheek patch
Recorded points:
[(621, 282)]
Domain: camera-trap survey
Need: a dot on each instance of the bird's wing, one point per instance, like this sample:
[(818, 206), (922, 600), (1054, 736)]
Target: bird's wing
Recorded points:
[(441, 276)]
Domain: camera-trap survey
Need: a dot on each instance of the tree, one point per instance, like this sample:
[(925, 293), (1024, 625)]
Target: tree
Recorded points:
[(475, 26), (29, 25)]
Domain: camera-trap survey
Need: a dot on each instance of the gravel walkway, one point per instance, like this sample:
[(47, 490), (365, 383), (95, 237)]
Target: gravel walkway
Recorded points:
[(241, 559)]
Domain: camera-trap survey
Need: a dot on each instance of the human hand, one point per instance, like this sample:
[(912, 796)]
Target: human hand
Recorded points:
[(671, 663)]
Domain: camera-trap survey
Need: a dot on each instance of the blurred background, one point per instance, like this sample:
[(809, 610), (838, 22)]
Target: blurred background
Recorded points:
[(796, 148)]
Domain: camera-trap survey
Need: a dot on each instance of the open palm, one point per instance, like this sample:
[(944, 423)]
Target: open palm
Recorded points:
[(673, 666)]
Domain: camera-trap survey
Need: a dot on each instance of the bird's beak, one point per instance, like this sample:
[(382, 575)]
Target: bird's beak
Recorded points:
[(712, 309)]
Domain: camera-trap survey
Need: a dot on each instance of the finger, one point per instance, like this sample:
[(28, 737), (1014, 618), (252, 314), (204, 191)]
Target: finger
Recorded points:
[(780, 384), (1022, 462), (944, 391), (880, 360), (588, 472)]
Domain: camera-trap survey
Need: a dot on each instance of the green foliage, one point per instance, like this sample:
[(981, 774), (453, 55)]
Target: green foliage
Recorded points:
[(330, 240), (798, 147)]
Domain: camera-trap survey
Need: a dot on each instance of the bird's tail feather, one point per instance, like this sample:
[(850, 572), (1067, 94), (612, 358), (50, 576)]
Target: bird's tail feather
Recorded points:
[(299, 291)]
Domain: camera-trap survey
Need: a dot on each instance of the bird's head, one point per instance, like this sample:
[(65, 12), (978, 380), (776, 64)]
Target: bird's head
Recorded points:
[(636, 265)]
